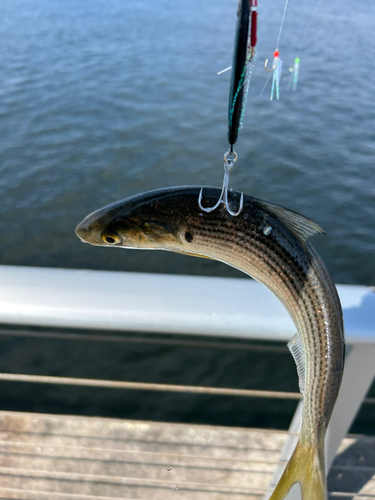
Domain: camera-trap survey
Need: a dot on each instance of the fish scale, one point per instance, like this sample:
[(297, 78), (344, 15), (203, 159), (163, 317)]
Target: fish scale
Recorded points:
[(269, 243)]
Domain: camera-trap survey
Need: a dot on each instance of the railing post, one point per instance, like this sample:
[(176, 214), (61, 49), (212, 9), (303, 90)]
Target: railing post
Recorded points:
[(358, 375)]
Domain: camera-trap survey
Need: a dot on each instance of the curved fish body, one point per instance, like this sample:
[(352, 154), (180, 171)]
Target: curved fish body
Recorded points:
[(270, 244)]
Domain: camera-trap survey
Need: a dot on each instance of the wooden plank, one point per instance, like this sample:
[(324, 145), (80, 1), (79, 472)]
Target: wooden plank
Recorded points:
[(106, 458), (79, 458)]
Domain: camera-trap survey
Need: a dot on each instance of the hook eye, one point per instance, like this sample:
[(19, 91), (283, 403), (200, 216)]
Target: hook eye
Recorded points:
[(231, 160)]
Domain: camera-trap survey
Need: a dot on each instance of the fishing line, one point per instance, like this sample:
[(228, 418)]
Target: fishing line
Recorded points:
[(309, 23), (293, 80), (265, 85), (282, 24)]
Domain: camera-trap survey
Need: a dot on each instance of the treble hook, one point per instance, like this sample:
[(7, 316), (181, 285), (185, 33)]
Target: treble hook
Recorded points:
[(228, 167)]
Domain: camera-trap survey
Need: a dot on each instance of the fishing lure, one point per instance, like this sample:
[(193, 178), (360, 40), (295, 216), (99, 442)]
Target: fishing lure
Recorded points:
[(239, 66), (277, 64), (241, 86), (293, 80), (251, 58), (243, 58), (276, 69)]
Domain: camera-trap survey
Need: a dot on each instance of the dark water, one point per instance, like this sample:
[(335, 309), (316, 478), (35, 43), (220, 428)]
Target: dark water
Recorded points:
[(163, 359), (100, 100)]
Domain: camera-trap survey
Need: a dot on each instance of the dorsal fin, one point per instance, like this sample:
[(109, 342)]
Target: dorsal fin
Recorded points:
[(302, 227)]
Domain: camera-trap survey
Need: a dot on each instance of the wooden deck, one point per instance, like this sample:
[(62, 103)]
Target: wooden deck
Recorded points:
[(79, 458)]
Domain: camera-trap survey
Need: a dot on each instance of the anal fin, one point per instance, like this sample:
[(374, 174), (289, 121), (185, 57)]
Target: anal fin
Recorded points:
[(296, 349)]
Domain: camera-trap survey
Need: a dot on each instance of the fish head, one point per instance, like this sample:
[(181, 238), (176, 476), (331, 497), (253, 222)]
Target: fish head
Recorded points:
[(155, 220)]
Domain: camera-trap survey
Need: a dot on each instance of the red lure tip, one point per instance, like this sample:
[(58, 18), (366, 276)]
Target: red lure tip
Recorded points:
[(276, 53)]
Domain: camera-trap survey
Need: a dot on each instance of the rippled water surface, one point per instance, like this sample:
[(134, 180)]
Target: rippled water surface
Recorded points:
[(104, 99)]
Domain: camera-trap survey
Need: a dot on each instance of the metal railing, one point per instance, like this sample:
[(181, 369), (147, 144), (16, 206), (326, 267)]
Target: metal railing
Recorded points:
[(237, 308)]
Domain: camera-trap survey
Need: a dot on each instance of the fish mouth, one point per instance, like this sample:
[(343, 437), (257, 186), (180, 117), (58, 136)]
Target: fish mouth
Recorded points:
[(83, 233), (87, 235)]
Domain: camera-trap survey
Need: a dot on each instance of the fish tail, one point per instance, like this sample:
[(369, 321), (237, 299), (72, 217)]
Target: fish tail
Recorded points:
[(306, 467)]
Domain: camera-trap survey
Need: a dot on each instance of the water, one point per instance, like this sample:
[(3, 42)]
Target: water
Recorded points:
[(106, 99), (100, 100)]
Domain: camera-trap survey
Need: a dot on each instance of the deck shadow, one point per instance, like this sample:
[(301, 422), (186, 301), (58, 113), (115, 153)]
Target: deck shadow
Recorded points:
[(353, 468)]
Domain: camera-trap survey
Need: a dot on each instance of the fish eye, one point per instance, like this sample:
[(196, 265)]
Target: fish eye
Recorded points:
[(111, 238)]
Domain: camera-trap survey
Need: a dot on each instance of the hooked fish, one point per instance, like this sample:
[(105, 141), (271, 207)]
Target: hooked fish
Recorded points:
[(269, 243)]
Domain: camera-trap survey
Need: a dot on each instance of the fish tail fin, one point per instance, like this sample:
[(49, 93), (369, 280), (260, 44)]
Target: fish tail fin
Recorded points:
[(306, 467)]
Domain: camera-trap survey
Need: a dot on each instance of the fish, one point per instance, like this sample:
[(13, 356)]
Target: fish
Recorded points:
[(270, 244)]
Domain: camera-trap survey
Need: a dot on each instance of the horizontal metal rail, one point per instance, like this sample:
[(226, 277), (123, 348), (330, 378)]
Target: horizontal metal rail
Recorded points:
[(145, 386), (162, 304), (142, 386), (143, 340)]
